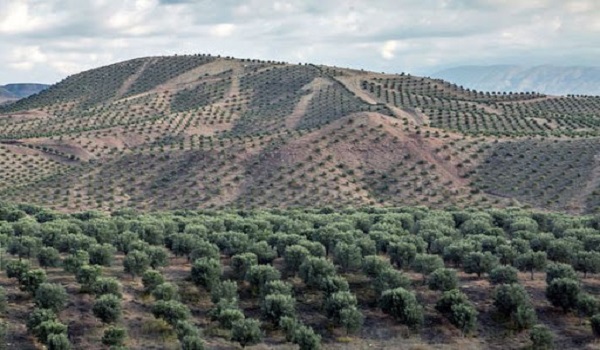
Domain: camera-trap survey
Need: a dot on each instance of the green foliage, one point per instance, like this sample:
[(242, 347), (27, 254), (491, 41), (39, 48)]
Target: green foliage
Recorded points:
[(390, 279), (38, 316), (51, 296), (102, 254), (16, 268), (563, 293), (541, 337), (402, 254), (74, 261), (136, 263), (151, 279), (427, 263), (351, 319), (228, 316), (190, 342), (58, 342), (276, 306), (107, 308), (587, 305), (402, 305), (106, 285), (315, 271), (513, 304), (531, 261), (347, 256), (306, 338), (206, 272), (87, 275), (293, 257), (31, 280), (246, 332), (336, 302), (241, 264), (504, 275), (259, 275), (166, 291), (171, 311), (48, 257), (114, 336), (559, 270), (225, 290), (45, 329), (442, 279), (479, 263)]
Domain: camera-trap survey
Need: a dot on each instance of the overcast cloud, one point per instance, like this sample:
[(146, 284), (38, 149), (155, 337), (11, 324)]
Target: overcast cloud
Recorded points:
[(46, 40)]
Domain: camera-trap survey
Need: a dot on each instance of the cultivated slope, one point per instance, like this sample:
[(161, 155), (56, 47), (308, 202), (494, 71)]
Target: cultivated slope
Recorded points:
[(203, 131)]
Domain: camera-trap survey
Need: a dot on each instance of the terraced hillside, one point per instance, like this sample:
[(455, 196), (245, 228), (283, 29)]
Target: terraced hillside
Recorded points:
[(201, 131)]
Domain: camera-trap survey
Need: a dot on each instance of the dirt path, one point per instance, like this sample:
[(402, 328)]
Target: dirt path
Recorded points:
[(132, 79)]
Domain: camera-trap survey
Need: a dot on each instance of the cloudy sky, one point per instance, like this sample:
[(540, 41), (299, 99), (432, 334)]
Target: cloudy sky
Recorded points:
[(46, 40)]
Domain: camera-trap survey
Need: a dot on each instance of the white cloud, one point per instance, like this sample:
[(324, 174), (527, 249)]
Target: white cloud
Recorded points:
[(57, 37), (222, 30), (388, 49)]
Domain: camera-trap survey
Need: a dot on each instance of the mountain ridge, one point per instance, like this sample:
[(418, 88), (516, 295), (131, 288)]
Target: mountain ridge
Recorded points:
[(548, 79)]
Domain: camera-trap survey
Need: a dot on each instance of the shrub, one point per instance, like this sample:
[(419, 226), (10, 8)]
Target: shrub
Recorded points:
[(224, 290), (347, 256), (51, 296), (58, 342), (315, 271), (38, 316), (16, 268), (32, 279), (306, 338), (241, 263), (87, 275), (190, 342), (136, 263), (206, 272), (504, 275), (259, 275), (114, 336), (427, 263), (442, 279), (166, 291), (402, 306), (402, 254), (228, 316), (293, 257), (479, 263), (246, 332), (336, 302), (48, 257), (513, 304), (77, 259), (541, 337), (102, 254), (47, 328), (171, 311), (531, 261), (151, 279), (351, 319), (390, 279), (563, 293), (559, 270), (107, 285), (276, 306), (107, 308), (587, 305)]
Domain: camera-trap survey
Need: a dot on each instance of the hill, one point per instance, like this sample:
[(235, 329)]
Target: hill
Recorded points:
[(201, 131), (545, 79), (13, 92)]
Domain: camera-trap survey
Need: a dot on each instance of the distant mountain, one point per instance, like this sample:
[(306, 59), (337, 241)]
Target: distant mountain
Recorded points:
[(550, 80), (13, 92)]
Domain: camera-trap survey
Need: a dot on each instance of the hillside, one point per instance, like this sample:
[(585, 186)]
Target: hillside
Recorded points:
[(201, 131), (13, 92), (551, 80)]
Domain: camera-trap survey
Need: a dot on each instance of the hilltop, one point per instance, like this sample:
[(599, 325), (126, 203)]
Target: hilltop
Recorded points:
[(201, 131)]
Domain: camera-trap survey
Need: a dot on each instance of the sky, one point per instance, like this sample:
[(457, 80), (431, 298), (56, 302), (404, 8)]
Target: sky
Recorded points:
[(46, 40)]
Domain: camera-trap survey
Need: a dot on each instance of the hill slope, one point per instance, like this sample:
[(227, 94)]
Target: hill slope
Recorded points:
[(546, 79), (201, 131)]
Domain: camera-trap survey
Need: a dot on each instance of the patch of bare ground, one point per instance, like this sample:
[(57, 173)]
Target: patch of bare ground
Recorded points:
[(577, 204)]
